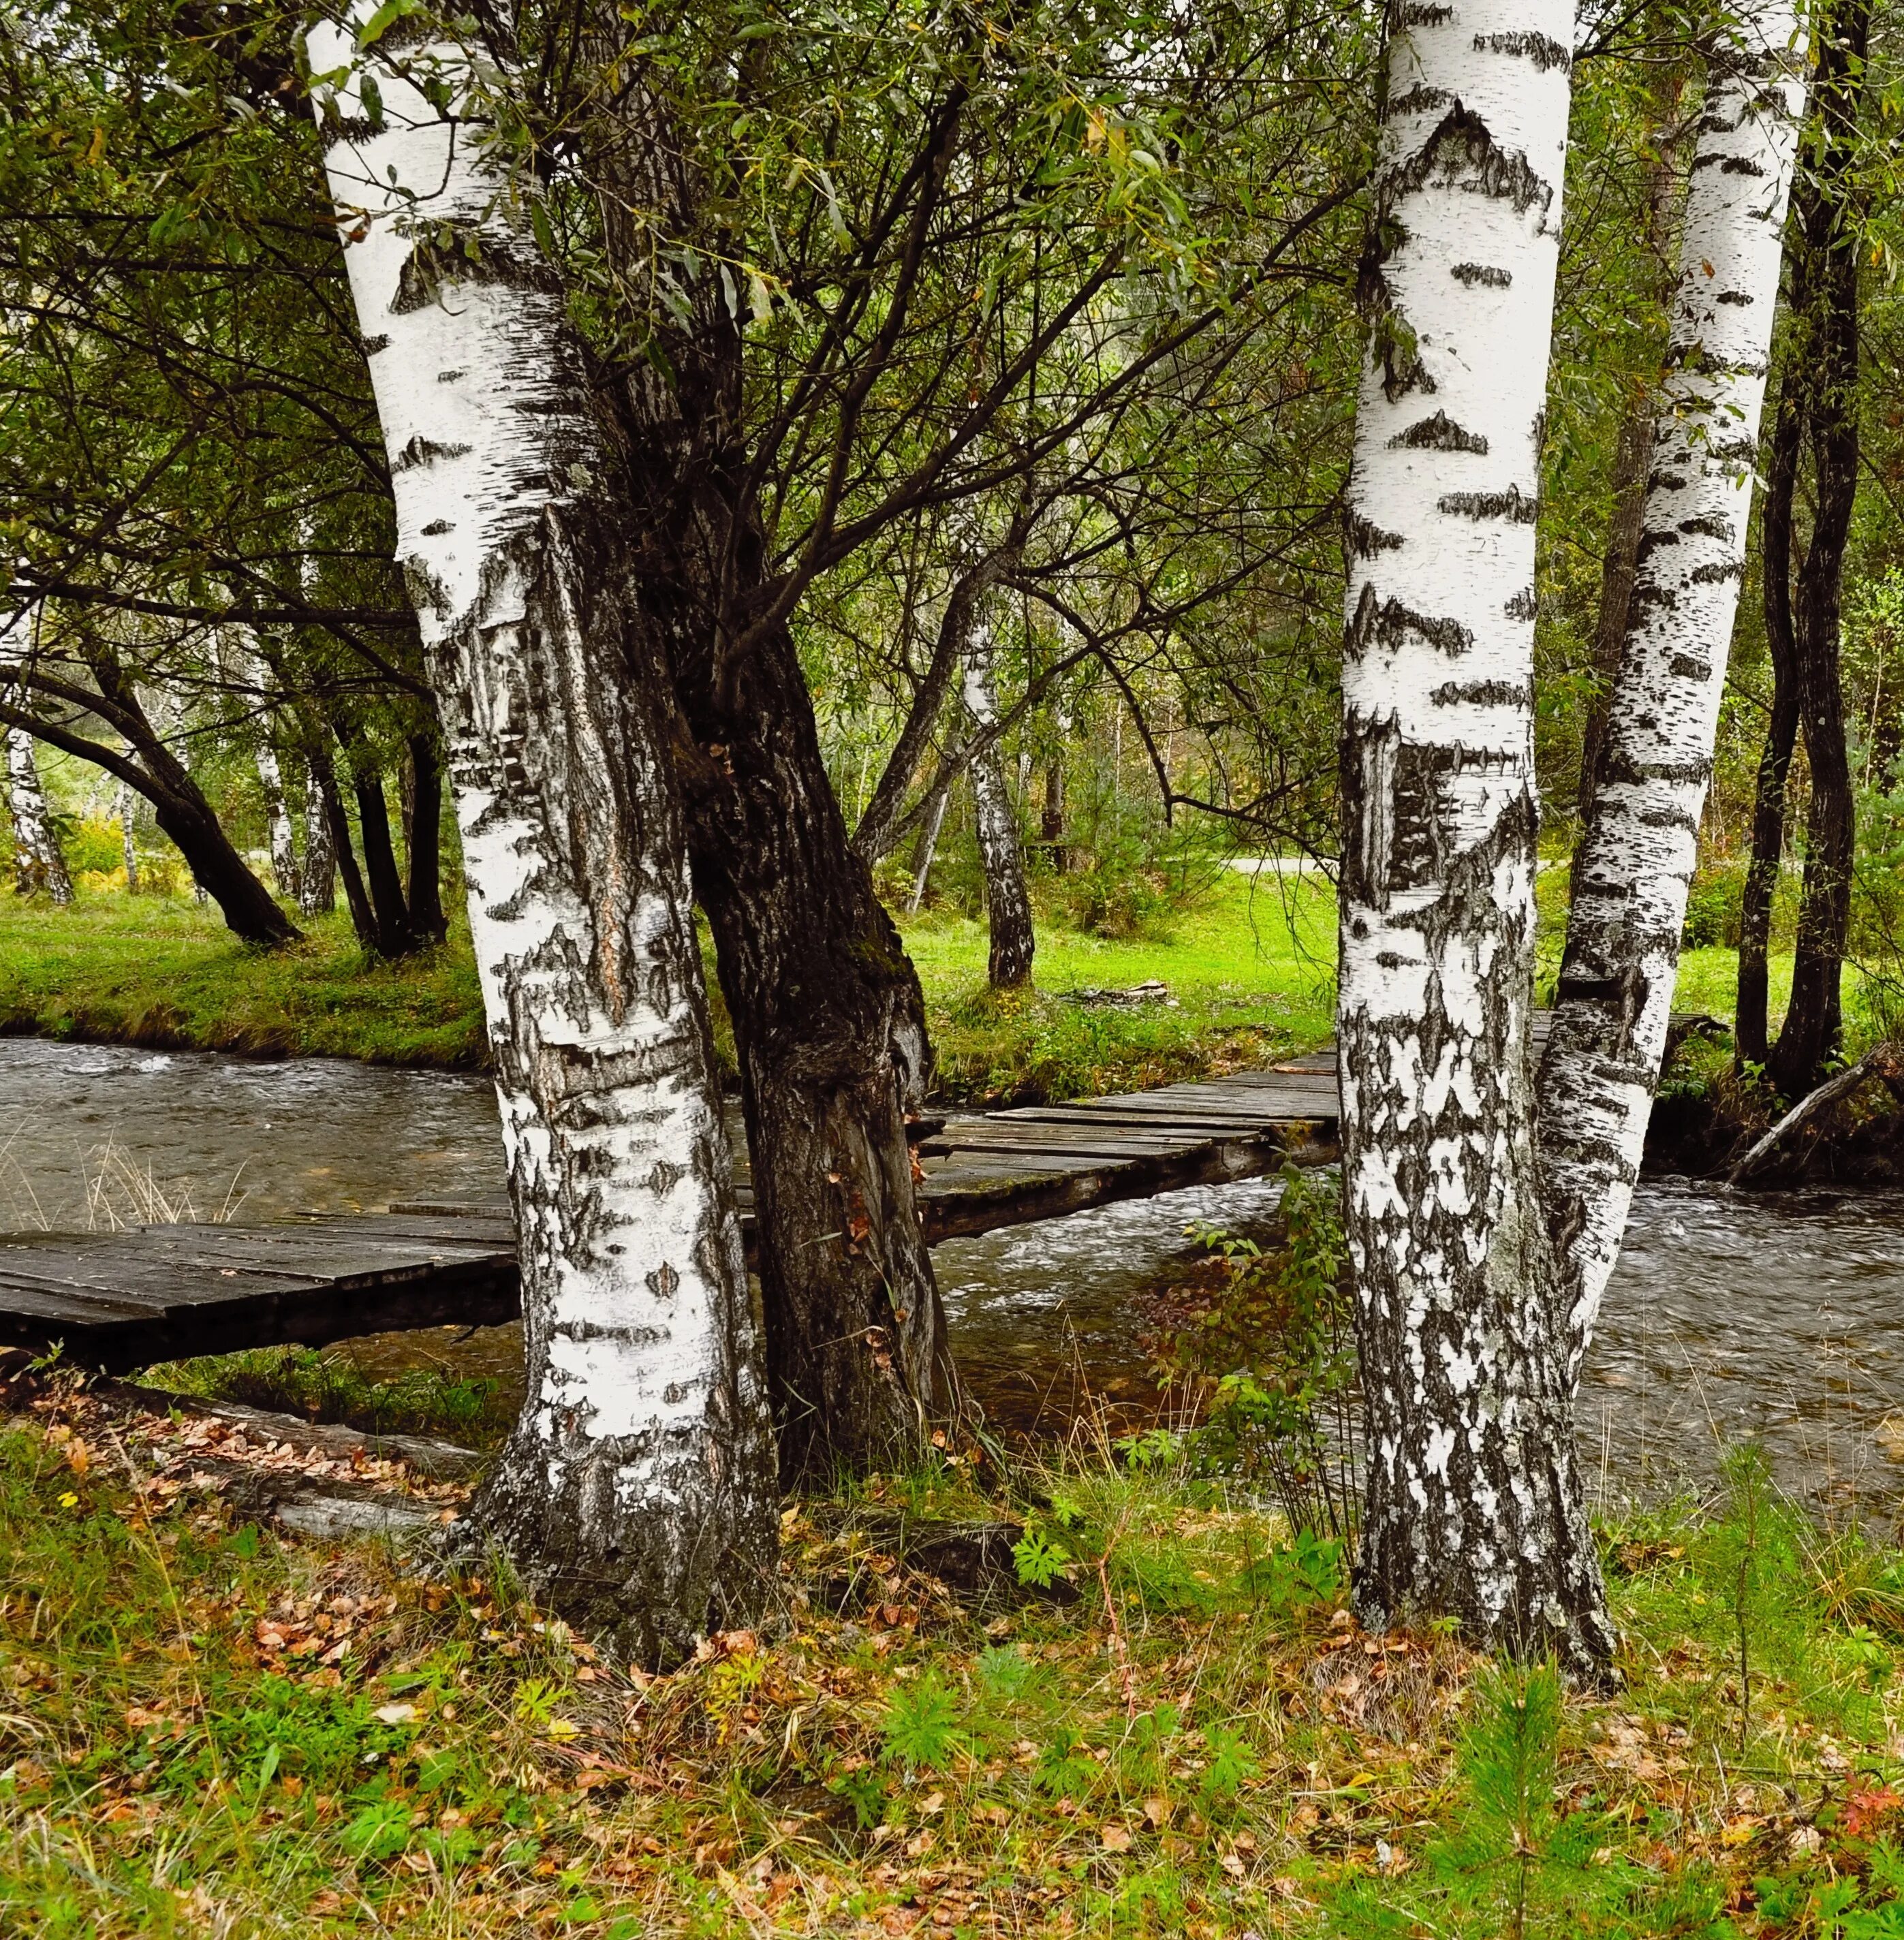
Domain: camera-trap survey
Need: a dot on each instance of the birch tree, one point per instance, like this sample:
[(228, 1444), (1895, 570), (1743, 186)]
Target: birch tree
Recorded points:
[(636, 1491), (1473, 1505), (1634, 868), (39, 862), (1008, 902)]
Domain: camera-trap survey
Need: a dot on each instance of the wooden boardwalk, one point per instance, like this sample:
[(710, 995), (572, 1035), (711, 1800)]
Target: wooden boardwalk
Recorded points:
[(124, 1300)]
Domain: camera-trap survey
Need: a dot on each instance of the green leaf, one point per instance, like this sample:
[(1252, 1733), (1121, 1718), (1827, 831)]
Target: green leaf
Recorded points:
[(385, 17)]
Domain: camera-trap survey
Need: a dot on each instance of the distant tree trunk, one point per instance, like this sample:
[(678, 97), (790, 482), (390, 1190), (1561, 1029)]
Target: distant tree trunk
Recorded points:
[(928, 846), (390, 912), (125, 840), (1052, 825), (423, 840), (284, 847), (1634, 865), (1829, 225), (1473, 1507), (39, 863), (1632, 462), (343, 852), (636, 1492), (1008, 901), (317, 880)]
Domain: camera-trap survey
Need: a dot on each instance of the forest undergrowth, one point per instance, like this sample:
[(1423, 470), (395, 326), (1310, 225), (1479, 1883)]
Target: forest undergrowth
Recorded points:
[(1159, 1718), (1117, 1690)]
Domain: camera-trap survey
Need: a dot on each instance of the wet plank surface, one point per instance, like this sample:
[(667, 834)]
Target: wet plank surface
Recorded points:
[(124, 1299)]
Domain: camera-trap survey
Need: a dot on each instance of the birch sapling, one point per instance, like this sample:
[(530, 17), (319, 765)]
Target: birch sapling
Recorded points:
[(1633, 870), (1473, 1506), (637, 1491), (1008, 901)]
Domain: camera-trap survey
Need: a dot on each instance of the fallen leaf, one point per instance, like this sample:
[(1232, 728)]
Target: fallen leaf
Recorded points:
[(1116, 1837), (395, 1714)]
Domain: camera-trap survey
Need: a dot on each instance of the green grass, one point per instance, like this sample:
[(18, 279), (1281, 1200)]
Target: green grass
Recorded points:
[(158, 970), (1250, 967), (209, 1727)]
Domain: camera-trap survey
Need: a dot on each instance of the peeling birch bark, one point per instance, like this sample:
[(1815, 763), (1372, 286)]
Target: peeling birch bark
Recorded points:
[(637, 1491), (39, 864), (1473, 1506), (1634, 866), (1008, 901)]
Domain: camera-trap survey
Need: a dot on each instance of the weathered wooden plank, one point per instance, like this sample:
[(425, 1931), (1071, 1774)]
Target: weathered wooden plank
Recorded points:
[(123, 1299)]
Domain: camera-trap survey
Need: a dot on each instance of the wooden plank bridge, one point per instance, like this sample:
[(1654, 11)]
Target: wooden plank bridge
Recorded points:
[(124, 1299)]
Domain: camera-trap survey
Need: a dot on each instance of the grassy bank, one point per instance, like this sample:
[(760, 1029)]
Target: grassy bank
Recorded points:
[(212, 1728), (1249, 971), (160, 971), (1248, 975), (1249, 968)]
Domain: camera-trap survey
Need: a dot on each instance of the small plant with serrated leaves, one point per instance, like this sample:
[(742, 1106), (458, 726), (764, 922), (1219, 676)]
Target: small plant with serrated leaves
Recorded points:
[(920, 1730)]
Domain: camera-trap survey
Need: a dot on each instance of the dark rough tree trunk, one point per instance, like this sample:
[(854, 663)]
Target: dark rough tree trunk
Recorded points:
[(343, 851), (1008, 900), (390, 912), (1473, 1507), (423, 840), (1751, 1023), (635, 1493), (828, 1017), (828, 1021), (1829, 227), (179, 806)]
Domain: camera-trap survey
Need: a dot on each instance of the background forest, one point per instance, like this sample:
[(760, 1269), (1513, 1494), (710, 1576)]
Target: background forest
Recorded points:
[(208, 630)]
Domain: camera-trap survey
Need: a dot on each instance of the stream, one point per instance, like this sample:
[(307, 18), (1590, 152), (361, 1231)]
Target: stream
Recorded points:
[(1779, 1317)]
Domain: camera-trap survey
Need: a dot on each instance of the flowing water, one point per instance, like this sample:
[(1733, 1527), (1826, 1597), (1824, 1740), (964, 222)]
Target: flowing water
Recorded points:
[(1778, 1316)]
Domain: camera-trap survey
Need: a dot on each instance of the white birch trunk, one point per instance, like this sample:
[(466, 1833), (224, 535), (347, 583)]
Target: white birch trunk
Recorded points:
[(39, 864), (317, 880), (1473, 1506), (928, 848), (125, 838), (1008, 902), (1635, 862), (284, 846), (637, 1492)]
